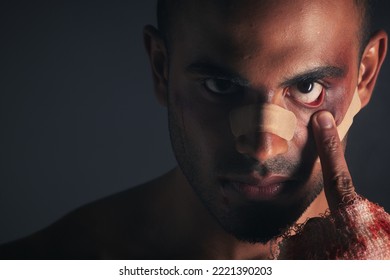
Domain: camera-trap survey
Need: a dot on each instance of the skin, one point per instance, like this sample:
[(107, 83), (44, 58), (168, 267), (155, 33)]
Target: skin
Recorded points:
[(189, 213), (267, 55)]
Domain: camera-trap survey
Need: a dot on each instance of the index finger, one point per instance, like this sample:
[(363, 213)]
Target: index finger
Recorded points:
[(338, 184)]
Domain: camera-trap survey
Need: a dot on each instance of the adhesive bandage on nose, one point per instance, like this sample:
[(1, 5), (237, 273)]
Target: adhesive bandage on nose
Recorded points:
[(274, 119), (264, 118)]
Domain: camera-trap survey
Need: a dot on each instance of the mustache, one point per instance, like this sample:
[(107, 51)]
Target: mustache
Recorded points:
[(245, 165)]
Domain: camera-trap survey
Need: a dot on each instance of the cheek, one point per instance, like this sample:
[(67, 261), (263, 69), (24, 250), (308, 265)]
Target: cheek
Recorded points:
[(340, 104), (302, 144), (303, 137), (205, 124)]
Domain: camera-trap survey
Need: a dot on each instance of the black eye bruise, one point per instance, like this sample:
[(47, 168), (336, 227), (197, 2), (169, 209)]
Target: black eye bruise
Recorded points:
[(305, 86)]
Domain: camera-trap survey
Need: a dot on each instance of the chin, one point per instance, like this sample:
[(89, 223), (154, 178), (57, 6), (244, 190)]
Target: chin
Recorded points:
[(255, 227), (262, 222)]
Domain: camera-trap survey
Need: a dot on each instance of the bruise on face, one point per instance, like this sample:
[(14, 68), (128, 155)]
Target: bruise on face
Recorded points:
[(268, 44), (263, 48)]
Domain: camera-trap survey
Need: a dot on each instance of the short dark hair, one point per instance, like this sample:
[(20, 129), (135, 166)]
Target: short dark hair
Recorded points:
[(166, 10)]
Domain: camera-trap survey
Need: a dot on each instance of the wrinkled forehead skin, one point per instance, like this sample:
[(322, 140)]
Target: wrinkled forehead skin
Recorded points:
[(313, 31)]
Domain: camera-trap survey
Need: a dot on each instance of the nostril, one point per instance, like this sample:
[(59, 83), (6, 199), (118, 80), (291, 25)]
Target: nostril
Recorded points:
[(261, 146)]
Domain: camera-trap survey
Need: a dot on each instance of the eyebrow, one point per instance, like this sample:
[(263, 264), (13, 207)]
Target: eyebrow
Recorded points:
[(216, 71), (220, 72), (315, 74)]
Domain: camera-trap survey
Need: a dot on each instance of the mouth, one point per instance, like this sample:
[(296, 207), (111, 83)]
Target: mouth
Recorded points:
[(256, 189)]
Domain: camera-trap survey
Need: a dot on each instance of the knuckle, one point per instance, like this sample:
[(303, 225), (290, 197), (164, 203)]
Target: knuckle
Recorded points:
[(331, 144), (344, 184)]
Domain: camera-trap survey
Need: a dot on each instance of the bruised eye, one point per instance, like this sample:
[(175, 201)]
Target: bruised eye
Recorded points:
[(220, 86), (307, 92)]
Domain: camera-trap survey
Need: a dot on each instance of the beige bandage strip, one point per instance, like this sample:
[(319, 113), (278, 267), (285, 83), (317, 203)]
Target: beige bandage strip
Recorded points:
[(274, 119), (353, 109), (265, 118)]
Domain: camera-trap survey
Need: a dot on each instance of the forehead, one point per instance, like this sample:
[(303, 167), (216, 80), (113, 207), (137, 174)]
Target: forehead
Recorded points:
[(268, 30), (267, 14)]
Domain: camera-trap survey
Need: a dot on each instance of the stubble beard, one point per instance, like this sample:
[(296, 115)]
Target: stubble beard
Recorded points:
[(251, 222)]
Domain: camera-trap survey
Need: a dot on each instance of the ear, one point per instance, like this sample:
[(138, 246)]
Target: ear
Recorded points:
[(372, 59), (156, 49)]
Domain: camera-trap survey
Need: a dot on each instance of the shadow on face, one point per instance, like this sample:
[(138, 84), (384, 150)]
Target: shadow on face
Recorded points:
[(227, 54)]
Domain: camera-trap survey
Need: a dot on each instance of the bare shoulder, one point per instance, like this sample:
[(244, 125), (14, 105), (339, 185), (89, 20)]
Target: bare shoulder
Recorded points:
[(114, 227)]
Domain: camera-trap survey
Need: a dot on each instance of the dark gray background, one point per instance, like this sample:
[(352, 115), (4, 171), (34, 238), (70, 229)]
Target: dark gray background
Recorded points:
[(78, 117)]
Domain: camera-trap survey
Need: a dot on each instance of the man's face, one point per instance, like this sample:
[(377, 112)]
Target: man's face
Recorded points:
[(300, 55)]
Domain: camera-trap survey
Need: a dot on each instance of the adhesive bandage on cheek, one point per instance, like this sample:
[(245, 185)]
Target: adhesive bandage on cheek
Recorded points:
[(353, 109), (274, 119)]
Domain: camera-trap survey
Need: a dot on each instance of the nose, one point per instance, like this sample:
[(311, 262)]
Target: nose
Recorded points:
[(261, 146)]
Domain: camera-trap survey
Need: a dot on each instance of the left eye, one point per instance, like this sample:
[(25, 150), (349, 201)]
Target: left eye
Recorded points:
[(306, 92), (220, 86)]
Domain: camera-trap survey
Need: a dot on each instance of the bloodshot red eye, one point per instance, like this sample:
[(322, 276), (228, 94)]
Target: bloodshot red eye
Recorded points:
[(318, 101), (310, 94)]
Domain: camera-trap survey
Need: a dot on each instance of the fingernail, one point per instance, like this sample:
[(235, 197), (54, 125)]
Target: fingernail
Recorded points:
[(325, 120)]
